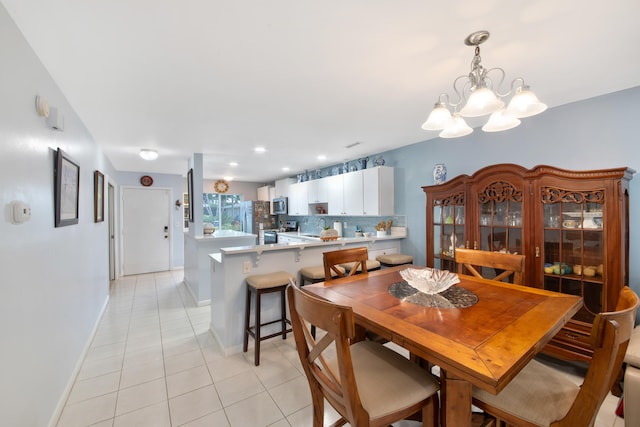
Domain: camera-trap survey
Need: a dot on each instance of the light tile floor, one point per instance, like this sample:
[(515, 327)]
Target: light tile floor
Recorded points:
[(154, 363)]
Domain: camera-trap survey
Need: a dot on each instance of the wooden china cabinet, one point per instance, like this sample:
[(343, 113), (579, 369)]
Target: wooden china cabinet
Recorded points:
[(573, 227)]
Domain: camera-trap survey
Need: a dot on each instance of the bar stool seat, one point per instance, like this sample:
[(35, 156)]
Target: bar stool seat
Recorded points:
[(315, 274), (389, 260), (258, 285), (372, 265)]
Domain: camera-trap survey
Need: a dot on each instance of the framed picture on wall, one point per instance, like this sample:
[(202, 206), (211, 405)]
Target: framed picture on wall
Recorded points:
[(98, 196), (67, 189), (190, 192)]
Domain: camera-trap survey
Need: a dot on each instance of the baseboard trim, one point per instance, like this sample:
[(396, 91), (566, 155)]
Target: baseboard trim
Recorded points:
[(55, 417)]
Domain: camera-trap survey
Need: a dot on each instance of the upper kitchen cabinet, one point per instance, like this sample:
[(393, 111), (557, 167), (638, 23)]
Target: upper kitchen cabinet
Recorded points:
[(298, 199), (378, 190), (264, 193), (572, 226), (282, 187), (363, 192)]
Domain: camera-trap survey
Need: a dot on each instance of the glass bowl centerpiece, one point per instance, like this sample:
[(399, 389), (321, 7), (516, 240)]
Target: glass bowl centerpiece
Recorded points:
[(429, 280), (431, 287)]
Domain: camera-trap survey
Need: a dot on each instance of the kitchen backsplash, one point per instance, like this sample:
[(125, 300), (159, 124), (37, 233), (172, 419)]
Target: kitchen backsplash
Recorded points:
[(314, 224)]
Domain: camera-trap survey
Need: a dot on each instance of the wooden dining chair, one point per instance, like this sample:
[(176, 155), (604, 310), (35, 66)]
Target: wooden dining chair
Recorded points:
[(473, 260), (333, 259), (366, 383), (542, 396), (334, 267)]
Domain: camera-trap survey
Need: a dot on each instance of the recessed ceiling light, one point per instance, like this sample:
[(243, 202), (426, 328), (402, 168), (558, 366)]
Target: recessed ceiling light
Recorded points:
[(260, 149), (234, 164), (322, 157), (148, 154), (286, 169), (228, 178)]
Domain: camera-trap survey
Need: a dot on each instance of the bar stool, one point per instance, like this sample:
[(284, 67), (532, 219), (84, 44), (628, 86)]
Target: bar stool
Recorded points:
[(258, 285), (390, 260), (315, 274), (372, 265)]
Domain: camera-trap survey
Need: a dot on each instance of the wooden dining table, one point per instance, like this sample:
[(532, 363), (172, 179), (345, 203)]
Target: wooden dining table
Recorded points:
[(484, 345)]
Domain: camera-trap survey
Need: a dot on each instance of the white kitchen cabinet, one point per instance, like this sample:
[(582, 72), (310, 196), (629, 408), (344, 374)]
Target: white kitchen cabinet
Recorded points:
[(285, 240), (312, 191), (377, 191), (282, 187), (263, 193), (324, 187), (318, 191), (352, 185), (298, 199), (363, 192), (345, 194), (335, 196)]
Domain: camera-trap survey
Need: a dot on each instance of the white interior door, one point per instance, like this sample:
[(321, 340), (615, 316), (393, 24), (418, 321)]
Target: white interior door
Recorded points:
[(146, 240)]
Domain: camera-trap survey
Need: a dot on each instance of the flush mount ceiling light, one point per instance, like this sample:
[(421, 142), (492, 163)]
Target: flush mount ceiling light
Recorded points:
[(478, 94), (148, 154)]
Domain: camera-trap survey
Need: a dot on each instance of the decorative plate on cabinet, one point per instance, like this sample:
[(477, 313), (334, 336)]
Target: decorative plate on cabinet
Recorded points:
[(146, 181)]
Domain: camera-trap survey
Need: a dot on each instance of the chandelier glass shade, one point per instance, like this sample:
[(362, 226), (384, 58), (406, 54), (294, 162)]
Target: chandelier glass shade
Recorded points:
[(478, 94)]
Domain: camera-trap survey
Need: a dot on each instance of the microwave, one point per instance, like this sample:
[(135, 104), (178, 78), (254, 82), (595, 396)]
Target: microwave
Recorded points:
[(280, 206)]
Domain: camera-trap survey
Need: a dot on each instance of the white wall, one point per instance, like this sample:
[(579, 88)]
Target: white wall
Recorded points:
[(54, 280)]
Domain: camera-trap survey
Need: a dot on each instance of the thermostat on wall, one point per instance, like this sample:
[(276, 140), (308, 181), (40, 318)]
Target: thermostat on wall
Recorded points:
[(20, 212)]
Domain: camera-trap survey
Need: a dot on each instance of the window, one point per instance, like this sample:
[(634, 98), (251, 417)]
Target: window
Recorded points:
[(222, 210)]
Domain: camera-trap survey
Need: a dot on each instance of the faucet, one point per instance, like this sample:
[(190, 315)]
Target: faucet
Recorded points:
[(324, 224)]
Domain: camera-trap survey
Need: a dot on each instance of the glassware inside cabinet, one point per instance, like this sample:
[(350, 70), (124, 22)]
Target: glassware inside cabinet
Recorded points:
[(437, 246), (500, 213), (500, 226), (552, 215), (460, 215), (448, 234), (573, 253)]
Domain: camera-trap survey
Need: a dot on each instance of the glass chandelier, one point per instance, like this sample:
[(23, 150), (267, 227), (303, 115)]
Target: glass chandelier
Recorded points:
[(478, 95)]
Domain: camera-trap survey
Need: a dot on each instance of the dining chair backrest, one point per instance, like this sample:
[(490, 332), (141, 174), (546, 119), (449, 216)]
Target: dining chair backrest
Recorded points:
[(473, 260), (338, 323), (610, 336), (329, 363), (332, 259)]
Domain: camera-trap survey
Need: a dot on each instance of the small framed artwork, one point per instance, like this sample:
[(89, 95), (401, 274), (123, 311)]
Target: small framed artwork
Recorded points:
[(190, 192), (67, 189), (98, 196)]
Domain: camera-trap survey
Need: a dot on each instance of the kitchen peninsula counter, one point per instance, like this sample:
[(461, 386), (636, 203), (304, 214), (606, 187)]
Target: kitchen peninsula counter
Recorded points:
[(197, 274), (231, 265)]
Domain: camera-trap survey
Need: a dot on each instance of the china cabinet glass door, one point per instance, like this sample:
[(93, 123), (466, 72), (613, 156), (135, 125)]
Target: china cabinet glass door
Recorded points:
[(448, 231), (500, 220), (573, 249)]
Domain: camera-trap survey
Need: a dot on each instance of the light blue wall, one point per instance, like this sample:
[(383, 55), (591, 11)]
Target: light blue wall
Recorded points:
[(594, 134), (55, 281)]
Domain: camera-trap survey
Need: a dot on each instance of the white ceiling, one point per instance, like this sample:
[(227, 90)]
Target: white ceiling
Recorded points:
[(301, 77)]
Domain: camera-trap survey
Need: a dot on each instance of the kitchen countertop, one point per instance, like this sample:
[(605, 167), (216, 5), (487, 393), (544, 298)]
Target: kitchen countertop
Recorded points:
[(308, 241), (224, 234)]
